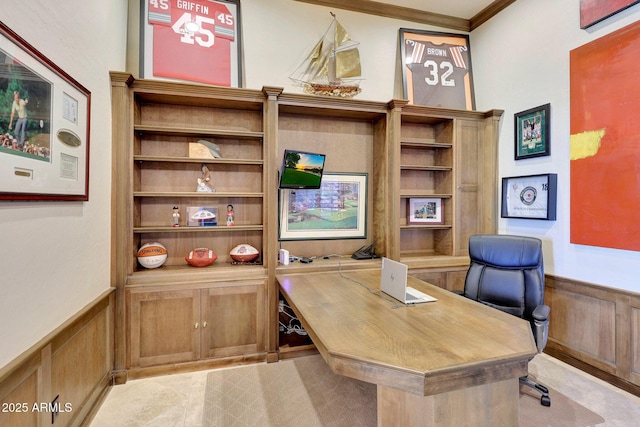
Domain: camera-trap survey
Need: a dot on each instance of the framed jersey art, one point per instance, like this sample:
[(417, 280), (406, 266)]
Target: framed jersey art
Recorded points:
[(191, 40), (436, 69)]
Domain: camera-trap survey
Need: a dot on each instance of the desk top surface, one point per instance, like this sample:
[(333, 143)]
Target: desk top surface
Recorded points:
[(425, 348)]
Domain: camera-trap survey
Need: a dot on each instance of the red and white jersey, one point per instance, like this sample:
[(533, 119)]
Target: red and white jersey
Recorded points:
[(192, 40)]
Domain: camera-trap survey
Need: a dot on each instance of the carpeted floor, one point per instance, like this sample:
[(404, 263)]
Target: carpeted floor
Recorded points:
[(304, 391)]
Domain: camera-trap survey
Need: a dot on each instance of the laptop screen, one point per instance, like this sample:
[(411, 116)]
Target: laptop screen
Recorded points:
[(393, 280)]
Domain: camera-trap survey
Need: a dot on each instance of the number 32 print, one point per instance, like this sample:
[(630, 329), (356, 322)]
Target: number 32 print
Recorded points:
[(436, 69), (194, 40)]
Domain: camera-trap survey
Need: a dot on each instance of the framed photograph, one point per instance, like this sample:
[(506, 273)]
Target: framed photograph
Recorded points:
[(195, 41), (422, 211), (337, 210), (530, 197), (202, 216), (532, 132), (436, 69), (44, 126)]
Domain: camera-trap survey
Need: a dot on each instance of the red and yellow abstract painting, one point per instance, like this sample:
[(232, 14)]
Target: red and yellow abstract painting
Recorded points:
[(605, 141)]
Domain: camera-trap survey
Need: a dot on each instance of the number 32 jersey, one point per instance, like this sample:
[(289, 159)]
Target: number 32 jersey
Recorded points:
[(192, 40), (438, 73)]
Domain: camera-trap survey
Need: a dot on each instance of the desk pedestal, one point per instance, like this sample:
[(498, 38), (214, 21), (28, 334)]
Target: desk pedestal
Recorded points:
[(492, 404)]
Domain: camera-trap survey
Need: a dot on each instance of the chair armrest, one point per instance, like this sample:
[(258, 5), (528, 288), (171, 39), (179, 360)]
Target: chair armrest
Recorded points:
[(540, 326), (541, 312)]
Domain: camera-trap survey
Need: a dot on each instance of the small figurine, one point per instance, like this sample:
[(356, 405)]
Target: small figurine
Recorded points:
[(230, 220), (204, 184), (176, 216)]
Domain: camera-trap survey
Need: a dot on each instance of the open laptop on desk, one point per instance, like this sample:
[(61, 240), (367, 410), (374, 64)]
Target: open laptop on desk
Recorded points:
[(393, 282)]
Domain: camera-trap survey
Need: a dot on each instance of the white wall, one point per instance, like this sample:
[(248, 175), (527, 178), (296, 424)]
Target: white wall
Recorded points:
[(520, 61), (54, 256)]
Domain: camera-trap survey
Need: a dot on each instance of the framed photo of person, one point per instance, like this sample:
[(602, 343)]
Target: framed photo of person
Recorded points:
[(44, 126), (532, 132), (425, 211), (436, 69), (195, 41)]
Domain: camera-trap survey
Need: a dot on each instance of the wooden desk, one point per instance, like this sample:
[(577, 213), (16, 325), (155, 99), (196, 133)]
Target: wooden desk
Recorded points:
[(452, 362)]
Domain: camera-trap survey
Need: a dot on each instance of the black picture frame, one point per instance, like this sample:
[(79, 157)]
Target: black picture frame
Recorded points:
[(531, 133), (530, 197)]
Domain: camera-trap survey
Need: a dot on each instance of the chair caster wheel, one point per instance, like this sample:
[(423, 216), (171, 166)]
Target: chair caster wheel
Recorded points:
[(545, 401)]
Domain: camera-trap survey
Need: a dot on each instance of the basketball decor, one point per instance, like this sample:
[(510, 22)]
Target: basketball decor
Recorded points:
[(244, 253), (152, 255), (201, 257)]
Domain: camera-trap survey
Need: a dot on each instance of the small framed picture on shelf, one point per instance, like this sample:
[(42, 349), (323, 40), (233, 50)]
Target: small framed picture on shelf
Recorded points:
[(202, 216), (423, 211), (532, 132)]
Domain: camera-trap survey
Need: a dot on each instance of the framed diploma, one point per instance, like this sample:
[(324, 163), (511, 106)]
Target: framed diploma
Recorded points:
[(530, 197)]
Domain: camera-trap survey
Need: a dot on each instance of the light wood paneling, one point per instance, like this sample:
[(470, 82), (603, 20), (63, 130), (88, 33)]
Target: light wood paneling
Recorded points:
[(74, 362)]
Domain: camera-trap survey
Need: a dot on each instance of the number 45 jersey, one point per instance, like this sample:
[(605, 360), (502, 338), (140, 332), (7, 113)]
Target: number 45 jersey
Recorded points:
[(192, 40)]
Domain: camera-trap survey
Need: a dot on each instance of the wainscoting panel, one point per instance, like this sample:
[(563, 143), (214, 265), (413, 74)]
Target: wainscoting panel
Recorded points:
[(596, 329), (74, 363)]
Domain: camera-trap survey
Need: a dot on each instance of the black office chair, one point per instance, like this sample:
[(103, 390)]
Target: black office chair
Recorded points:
[(507, 273)]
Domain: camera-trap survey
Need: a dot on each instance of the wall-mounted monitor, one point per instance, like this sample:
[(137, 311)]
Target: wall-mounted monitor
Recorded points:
[(301, 170)]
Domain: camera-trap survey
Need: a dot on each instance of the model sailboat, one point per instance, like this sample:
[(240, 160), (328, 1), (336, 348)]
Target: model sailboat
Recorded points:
[(332, 68)]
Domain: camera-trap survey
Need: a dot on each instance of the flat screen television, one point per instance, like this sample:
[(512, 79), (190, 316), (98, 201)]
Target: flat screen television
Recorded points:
[(301, 170)]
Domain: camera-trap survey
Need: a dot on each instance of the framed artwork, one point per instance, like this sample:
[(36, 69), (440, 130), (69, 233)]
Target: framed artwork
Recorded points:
[(530, 197), (423, 211), (594, 11), (44, 126), (337, 210), (604, 153), (196, 41), (531, 130), (436, 69)]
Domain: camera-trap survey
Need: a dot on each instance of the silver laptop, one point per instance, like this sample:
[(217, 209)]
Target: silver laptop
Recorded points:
[(393, 282)]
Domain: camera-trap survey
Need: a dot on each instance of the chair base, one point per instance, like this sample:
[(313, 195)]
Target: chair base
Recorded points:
[(544, 399)]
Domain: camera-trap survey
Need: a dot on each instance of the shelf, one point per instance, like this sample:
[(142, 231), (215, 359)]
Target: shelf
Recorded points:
[(203, 195), (421, 143), (181, 229), (407, 194), (172, 159), (427, 226), (425, 168), (191, 132)]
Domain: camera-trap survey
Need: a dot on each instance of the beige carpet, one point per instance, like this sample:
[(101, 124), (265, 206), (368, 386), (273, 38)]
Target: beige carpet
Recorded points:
[(304, 392)]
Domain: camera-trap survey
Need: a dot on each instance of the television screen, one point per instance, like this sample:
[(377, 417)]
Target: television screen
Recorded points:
[(301, 169)]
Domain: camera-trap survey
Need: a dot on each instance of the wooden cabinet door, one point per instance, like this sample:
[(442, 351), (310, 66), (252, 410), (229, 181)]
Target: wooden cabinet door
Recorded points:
[(233, 319), (164, 327)]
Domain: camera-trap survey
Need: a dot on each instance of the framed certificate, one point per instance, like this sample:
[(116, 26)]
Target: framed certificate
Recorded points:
[(530, 197)]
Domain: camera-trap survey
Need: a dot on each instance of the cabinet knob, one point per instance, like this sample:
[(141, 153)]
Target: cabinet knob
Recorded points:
[(204, 324), (197, 324)]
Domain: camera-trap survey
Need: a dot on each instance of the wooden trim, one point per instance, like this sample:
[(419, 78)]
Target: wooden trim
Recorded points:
[(416, 15), (592, 328), (87, 335)]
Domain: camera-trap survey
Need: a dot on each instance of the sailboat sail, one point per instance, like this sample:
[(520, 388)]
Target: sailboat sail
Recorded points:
[(333, 66)]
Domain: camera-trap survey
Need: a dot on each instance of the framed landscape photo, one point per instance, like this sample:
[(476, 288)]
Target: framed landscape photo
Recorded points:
[(423, 211), (44, 126), (530, 197), (531, 131), (196, 41), (337, 210), (436, 69)]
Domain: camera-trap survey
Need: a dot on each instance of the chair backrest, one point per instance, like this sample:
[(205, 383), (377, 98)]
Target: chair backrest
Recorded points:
[(506, 273)]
